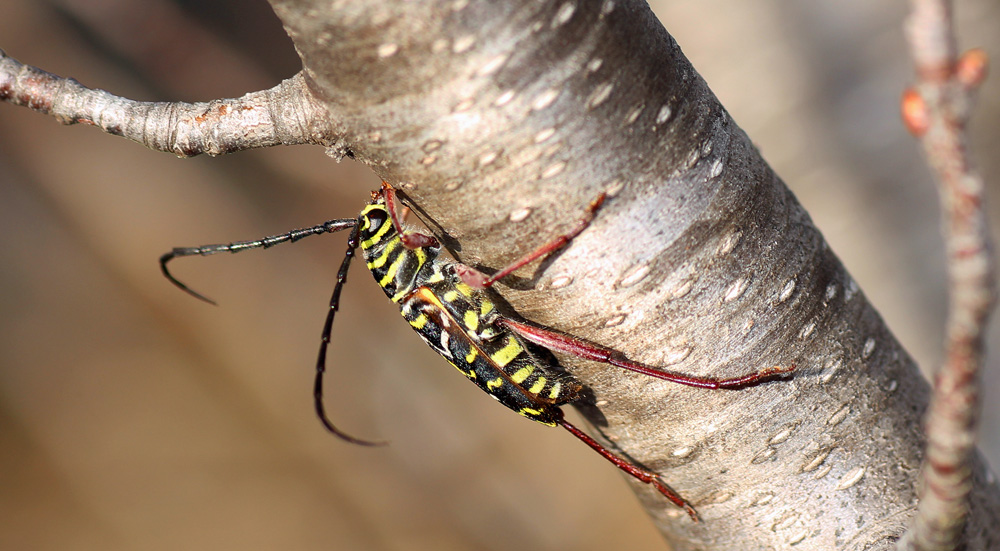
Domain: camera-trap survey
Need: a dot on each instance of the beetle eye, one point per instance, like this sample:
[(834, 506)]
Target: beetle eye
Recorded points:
[(375, 220)]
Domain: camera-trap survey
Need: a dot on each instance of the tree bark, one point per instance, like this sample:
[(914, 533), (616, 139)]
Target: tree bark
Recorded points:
[(502, 120), (702, 261)]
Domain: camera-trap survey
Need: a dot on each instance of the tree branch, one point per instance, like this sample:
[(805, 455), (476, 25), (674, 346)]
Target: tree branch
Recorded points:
[(937, 111), (284, 115)]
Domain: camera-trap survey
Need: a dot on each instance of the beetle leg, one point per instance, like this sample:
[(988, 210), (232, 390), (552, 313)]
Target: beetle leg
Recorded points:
[(475, 278), (411, 239), (590, 351), (649, 477)]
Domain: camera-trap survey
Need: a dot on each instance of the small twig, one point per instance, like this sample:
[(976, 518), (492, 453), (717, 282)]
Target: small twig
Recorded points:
[(284, 115), (936, 110)]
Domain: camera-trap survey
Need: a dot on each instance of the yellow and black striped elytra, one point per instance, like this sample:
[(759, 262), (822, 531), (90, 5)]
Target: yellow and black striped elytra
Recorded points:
[(498, 361), (453, 308), (460, 322)]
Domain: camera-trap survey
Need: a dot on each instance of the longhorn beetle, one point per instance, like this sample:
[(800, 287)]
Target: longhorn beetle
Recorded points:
[(452, 307)]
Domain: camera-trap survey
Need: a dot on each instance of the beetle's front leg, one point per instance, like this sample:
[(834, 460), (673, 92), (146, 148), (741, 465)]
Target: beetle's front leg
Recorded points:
[(411, 239)]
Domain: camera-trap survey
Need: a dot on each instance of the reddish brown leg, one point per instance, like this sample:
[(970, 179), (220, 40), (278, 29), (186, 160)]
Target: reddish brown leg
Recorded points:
[(410, 239), (479, 280), (648, 477), (583, 349)]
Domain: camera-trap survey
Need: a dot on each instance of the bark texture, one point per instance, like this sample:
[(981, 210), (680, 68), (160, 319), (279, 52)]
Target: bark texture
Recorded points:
[(501, 120), (283, 115), (940, 108)]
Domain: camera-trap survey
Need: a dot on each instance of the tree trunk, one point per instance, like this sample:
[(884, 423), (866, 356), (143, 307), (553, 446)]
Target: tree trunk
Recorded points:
[(501, 120)]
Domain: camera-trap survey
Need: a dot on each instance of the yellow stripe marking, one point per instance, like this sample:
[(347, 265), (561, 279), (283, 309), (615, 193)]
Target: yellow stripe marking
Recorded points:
[(538, 386), (421, 260), (471, 356), (554, 391), (399, 295), (419, 322), (450, 296), (495, 383), (470, 373), (521, 374), (485, 308), (464, 289), (390, 272), (436, 277), (386, 226), (507, 354), (529, 412), (471, 320), (381, 260)]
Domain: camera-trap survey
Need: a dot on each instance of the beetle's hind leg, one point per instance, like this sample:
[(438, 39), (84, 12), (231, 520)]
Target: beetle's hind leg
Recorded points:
[(649, 477)]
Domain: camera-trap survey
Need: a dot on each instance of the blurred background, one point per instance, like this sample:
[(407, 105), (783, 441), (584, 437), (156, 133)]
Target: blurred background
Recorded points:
[(134, 417)]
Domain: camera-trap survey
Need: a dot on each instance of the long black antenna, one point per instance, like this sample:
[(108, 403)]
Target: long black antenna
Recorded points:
[(329, 226), (352, 245)]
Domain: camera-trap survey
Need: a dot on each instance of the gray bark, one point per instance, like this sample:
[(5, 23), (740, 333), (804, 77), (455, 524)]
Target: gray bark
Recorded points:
[(702, 261), (501, 121)]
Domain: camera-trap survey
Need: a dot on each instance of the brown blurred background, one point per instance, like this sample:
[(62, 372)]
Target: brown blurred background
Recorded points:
[(133, 417)]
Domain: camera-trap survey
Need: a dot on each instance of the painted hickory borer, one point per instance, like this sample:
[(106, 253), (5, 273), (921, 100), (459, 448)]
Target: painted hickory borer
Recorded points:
[(453, 308)]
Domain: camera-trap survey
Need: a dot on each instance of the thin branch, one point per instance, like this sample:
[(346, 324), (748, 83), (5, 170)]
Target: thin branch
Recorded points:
[(284, 115), (937, 110)]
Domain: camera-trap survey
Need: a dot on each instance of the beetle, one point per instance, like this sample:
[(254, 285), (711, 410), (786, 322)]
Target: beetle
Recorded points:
[(454, 309)]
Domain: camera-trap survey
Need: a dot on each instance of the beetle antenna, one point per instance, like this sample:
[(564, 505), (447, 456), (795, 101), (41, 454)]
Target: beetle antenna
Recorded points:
[(329, 226), (352, 245)]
